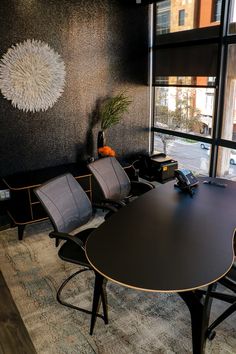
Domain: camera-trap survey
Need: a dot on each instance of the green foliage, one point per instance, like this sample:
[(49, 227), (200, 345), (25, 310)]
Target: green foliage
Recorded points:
[(185, 117), (112, 109)]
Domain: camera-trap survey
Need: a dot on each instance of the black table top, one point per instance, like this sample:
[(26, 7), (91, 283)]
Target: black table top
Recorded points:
[(168, 241)]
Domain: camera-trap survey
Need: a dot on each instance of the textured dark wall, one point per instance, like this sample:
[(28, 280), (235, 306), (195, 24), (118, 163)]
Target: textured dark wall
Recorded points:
[(104, 47)]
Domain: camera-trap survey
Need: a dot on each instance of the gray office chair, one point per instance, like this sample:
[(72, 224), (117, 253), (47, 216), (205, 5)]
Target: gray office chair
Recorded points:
[(116, 187), (68, 208), (228, 281)]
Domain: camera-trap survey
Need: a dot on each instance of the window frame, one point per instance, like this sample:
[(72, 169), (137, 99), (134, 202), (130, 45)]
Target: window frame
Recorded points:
[(223, 40)]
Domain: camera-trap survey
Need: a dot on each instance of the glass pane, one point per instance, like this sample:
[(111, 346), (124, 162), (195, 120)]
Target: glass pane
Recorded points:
[(163, 17), (232, 18), (186, 80), (226, 165), (189, 153), (181, 15), (229, 118), (184, 109), (216, 10)]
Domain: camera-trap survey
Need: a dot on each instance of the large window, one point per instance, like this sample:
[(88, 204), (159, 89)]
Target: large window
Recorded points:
[(229, 115), (184, 109), (226, 166), (194, 80), (232, 17), (189, 153)]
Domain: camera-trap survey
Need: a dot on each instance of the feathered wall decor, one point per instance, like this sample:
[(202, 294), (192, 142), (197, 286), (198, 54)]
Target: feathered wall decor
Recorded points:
[(32, 75)]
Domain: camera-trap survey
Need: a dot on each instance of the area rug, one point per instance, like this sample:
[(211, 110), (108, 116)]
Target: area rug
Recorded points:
[(138, 322)]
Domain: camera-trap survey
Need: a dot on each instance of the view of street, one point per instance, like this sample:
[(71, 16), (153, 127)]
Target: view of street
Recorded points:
[(190, 155)]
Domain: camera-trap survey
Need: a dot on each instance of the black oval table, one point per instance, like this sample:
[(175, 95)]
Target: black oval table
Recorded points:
[(169, 241)]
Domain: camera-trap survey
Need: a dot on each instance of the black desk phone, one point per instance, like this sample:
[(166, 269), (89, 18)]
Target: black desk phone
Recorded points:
[(186, 179)]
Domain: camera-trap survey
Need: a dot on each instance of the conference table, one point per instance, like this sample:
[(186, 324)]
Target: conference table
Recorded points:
[(169, 241)]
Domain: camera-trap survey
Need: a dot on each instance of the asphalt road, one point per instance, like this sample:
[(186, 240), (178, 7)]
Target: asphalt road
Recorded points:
[(190, 155)]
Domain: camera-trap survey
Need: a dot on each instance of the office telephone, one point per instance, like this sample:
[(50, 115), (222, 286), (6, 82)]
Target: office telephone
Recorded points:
[(185, 179)]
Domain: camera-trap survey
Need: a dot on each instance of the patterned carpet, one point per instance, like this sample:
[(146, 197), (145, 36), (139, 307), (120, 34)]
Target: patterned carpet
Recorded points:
[(138, 322)]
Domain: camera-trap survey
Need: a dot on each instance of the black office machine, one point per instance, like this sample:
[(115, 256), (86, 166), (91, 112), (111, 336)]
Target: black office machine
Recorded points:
[(158, 167)]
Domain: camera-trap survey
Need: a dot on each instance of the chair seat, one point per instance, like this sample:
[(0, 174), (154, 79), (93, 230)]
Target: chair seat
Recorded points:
[(138, 188), (73, 253)]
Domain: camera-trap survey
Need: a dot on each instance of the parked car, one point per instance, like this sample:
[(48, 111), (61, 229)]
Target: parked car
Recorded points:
[(205, 146), (232, 161)]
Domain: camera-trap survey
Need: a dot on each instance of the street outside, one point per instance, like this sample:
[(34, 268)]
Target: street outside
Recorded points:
[(190, 155)]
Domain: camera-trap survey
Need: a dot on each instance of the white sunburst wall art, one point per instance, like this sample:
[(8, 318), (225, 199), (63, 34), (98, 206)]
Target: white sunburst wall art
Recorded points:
[(32, 75)]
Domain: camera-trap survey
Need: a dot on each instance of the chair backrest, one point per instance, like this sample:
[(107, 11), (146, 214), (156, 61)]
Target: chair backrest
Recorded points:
[(111, 177), (65, 202)]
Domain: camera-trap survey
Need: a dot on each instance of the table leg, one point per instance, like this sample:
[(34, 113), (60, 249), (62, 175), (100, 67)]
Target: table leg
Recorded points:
[(104, 301), (98, 291), (200, 313)]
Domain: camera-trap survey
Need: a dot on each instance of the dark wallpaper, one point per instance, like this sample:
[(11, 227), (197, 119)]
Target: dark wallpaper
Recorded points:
[(105, 50)]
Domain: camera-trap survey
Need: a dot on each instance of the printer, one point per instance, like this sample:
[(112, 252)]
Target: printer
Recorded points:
[(158, 167)]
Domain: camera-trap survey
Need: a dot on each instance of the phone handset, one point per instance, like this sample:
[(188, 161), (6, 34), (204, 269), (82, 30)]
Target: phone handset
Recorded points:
[(186, 180)]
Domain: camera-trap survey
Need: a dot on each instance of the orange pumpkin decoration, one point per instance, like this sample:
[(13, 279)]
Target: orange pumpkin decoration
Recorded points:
[(106, 151)]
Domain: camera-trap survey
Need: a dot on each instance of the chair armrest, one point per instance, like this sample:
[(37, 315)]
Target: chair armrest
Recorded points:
[(66, 237), (105, 206), (144, 183), (138, 187), (115, 203)]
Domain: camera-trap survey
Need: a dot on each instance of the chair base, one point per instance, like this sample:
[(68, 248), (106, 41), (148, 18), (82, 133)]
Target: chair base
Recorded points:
[(210, 333), (64, 303)]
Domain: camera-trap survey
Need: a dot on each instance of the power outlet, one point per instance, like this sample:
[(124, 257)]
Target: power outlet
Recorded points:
[(4, 194)]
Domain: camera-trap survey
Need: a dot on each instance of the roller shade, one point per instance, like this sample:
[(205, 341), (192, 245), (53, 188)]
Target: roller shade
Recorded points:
[(195, 60)]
